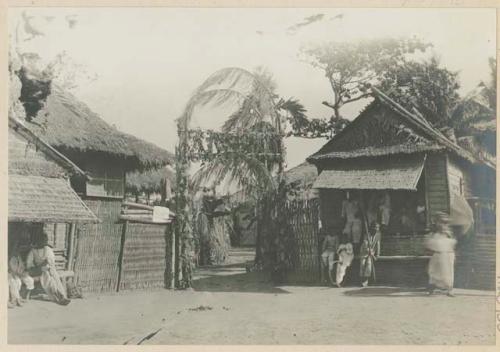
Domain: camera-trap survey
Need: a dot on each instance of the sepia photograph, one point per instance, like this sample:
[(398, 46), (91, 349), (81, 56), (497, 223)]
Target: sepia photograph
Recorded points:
[(251, 176)]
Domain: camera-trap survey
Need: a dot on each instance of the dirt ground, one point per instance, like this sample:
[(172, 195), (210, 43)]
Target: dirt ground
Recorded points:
[(230, 306)]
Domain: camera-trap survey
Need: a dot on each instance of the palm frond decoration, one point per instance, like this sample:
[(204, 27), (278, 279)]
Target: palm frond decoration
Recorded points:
[(242, 170), (233, 87)]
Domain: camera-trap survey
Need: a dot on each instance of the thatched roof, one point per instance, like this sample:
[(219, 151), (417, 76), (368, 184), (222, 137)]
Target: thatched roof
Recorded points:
[(427, 137), (150, 181), (54, 164), (392, 173), (304, 174), (69, 125), (39, 190), (382, 151), (45, 199)]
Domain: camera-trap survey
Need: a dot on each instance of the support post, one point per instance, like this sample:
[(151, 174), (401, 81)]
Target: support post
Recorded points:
[(172, 257), (120, 256), (71, 246)]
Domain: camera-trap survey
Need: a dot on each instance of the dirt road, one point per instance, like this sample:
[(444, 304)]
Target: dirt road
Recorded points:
[(229, 306)]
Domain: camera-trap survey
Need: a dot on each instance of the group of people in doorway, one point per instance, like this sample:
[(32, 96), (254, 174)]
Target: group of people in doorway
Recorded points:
[(361, 238), (38, 266), (342, 249)]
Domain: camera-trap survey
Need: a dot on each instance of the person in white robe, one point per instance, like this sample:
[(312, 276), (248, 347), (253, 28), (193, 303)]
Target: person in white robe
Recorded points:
[(41, 262), (345, 253), (442, 262), (17, 276)]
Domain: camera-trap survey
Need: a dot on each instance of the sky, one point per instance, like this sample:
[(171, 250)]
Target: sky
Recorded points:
[(146, 63)]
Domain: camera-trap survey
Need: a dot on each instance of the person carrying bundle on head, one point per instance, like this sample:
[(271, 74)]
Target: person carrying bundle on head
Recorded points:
[(441, 265)]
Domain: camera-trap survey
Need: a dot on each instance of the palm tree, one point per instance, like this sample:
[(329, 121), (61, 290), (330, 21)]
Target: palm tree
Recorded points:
[(474, 117), (256, 129)]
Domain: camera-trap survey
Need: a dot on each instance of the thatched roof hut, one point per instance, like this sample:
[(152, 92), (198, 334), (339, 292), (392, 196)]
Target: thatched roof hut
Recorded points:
[(303, 174), (150, 181), (72, 128)]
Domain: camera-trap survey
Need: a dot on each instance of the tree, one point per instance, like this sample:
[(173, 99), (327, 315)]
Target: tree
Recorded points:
[(424, 85), (475, 115), (351, 66), (248, 152), (31, 78)]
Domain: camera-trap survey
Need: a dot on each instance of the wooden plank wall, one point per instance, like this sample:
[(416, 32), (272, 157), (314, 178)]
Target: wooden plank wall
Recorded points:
[(436, 180), (459, 178), (98, 247), (146, 256)]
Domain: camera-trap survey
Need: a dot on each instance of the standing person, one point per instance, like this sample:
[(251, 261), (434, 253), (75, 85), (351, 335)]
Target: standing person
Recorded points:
[(370, 251), (385, 212), (346, 255), (356, 232), (18, 276), (349, 209), (41, 262), (442, 262), (329, 249)]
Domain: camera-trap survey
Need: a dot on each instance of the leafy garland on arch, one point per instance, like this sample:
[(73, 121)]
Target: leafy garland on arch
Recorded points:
[(206, 145), (259, 147)]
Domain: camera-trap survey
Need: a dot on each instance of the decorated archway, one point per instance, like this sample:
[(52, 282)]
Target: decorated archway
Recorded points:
[(247, 151)]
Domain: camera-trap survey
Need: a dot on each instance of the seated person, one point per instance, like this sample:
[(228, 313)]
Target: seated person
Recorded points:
[(346, 256), (18, 276), (41, 263), (329, 248), (407, 225)]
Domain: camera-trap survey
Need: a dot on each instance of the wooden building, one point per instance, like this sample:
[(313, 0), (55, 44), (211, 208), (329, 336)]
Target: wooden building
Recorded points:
[(40, 196), (106, 155), (388, 154)]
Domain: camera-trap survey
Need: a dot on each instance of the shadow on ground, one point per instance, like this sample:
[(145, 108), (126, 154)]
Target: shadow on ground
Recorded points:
[(386, 292), (405, 292), (224, 279)]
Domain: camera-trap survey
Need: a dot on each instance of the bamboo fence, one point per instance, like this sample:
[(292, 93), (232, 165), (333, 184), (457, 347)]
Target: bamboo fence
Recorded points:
[(146, 256), (98, 248), (303, 244)]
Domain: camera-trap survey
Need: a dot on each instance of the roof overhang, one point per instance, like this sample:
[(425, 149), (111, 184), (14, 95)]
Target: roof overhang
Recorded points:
[(395, 174), (46, 199)]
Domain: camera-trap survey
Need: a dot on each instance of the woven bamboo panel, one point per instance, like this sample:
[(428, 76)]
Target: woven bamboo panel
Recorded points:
[(302, 218), (483, 261), (400, 272), (98, 247), (403, 246), (146, 256)]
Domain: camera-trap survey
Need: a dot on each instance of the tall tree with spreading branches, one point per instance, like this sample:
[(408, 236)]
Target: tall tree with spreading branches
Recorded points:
[(351, 66)]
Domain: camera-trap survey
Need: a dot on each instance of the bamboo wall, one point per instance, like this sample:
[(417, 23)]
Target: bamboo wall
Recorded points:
[(483, 262), (58, 238), (146, 256), (302, 220), (98, 247)]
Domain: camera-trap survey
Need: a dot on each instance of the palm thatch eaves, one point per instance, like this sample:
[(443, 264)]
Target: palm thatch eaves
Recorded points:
[(71, 127)]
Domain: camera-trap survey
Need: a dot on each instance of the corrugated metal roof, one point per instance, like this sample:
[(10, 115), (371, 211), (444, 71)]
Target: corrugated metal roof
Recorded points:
[(45, 199), (393, 174)]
